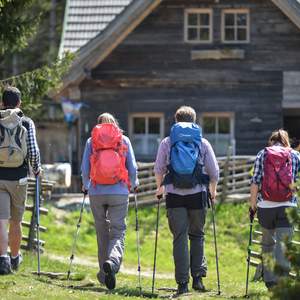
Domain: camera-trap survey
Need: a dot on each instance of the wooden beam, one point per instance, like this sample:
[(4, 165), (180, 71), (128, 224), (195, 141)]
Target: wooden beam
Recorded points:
[(290, 8), (95, 51)]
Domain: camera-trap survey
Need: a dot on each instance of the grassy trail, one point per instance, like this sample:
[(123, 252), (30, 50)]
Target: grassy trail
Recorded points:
[(232, 230)]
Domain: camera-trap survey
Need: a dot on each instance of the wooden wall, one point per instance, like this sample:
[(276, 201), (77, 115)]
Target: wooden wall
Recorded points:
[(152, 71)]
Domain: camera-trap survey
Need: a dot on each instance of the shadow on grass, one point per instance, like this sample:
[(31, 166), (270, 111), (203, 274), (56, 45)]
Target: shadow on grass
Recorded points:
[(91, 286)]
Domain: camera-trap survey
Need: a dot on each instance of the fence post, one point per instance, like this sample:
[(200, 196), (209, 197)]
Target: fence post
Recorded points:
[(225, 176)]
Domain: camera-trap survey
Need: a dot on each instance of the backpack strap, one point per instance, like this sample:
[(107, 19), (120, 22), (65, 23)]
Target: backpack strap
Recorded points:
[(17, 137), (2, 129)]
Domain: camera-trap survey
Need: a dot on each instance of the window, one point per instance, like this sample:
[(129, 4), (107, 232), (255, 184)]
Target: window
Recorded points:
[(218, 130), (235, 26), (146, 132), (198, 26)]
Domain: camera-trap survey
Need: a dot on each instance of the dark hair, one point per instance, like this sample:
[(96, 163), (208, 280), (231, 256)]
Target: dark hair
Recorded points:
[(11, 97), (279, 136), (295, 143), (185, 114)]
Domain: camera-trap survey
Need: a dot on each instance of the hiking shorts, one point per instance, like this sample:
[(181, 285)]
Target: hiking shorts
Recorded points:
[(13, 196)]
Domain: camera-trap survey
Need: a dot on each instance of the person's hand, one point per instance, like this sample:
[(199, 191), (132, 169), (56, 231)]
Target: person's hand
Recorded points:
[(135, 189), (213, 195), (253, 206), (38, 172), (159, 192), (84, 190)]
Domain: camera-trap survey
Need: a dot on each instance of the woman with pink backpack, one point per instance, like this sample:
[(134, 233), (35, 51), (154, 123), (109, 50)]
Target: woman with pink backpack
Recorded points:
[(272, 194), (109, 171)]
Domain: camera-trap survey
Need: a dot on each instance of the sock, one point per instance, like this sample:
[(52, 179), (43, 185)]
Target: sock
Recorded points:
[(13, 257), (4, 255)]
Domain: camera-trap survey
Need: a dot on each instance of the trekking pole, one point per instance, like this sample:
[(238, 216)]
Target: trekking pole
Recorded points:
[(215, 241), (137, 229), (251, 217), (37, 220), (76, 234), (155, 246)]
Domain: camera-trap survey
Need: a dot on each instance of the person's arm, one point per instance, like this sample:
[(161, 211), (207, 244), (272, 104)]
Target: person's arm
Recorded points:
[(256, 179), (33, 149), (160, 167), (131, 166), (85, 165), (212, 169)]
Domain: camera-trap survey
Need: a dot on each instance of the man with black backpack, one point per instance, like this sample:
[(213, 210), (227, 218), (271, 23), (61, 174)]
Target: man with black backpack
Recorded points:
[(272, 194), (186, 170), (18, 147)]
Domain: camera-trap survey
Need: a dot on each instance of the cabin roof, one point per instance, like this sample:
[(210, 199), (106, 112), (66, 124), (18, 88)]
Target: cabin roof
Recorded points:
[(94, 28)]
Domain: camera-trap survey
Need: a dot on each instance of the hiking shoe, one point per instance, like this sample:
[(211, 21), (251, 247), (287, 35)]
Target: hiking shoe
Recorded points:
[(270, 284), (5, 266), (110, 277), (198, 284), (182, 288), (15, 262), (101, 278)]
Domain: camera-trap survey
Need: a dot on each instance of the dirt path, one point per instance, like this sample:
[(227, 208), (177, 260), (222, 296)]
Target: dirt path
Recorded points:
[(88, 262)]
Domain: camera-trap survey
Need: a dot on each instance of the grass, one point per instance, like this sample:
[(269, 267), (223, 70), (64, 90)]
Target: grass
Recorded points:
[(232, 231)]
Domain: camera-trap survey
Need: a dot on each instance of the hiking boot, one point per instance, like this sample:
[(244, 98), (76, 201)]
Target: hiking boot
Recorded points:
[(5, 266), (270, 284), (182, 288), (15, 262), (110, 277), (198, 284)]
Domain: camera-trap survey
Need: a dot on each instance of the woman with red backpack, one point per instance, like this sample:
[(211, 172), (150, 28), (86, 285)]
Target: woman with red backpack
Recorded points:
[(272, 195), (109, 171)]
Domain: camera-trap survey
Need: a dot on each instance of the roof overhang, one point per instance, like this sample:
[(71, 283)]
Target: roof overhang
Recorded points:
[(96, 50)]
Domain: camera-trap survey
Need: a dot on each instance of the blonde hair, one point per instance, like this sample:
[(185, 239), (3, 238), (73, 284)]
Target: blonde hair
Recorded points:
[(279, 136), (185, 114), (107, 118)]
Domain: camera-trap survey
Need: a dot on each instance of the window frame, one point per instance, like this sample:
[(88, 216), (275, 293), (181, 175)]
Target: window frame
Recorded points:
[(146, 115), (210, 26), (235, 26), (217, 115)]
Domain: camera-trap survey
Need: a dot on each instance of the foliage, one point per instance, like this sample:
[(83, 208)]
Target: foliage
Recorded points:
[(18, 23), (36, 84)]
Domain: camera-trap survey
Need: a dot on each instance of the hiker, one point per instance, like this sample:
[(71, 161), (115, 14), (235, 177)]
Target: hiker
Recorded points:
[(109, 171), (187, 195), (18, 149), (272, 195)]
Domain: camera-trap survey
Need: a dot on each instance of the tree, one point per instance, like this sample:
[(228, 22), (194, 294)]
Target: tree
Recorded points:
[(19, 24)]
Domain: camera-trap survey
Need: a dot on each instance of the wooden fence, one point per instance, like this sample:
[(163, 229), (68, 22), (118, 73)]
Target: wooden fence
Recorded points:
[(29, 241), (235, 173)]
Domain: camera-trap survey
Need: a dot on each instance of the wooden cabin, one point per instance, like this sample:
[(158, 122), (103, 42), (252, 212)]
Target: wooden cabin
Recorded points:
[(237, 62)]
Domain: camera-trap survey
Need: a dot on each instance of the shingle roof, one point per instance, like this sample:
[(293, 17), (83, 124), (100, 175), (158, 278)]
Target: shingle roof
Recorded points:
[(85, 19)]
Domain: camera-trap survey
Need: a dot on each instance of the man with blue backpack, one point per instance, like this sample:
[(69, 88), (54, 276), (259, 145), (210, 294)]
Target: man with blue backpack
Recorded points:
[(186, 171)]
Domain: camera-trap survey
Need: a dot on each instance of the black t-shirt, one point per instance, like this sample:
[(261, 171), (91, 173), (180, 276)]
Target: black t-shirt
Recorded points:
[(193, 201)]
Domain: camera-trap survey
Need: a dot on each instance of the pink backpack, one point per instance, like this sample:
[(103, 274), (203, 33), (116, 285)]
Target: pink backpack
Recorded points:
[(277, 174)]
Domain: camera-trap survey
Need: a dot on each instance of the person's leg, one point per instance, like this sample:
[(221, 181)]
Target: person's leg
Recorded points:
[(99, 211), (18, 194), (178, 223), (267, 220), (5, 265), (196, 236), (284, 233), (15, 237), (116, 214)]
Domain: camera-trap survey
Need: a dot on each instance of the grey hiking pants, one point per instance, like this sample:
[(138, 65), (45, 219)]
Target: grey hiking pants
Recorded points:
[(188, 223), (276, 229), (109, 213)]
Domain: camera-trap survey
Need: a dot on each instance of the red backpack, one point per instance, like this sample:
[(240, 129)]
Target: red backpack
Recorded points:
[(108, 155), (277, 174)]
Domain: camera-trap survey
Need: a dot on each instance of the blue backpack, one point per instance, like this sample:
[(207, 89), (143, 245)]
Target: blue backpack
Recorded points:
[(184, 170)]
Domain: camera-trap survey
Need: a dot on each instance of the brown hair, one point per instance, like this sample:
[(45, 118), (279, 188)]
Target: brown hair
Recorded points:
[(279, 136), (185, 114)]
